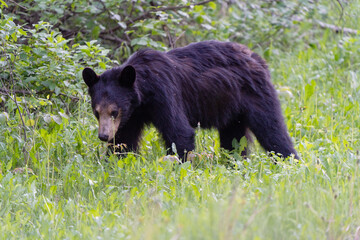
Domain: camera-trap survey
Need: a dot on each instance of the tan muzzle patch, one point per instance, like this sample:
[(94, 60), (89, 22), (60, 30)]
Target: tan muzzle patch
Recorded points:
[(109, 117)]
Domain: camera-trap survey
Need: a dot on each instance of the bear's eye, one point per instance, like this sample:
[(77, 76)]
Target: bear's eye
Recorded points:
[(96, 113), (114, 114)]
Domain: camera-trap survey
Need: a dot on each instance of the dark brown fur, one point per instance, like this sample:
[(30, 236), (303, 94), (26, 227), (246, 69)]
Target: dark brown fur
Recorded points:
[(217, 84)]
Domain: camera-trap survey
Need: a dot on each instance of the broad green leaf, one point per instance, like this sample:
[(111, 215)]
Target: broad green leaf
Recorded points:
[(30, 122)]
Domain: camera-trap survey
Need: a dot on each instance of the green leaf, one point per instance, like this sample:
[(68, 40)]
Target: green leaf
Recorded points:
[(30, 122), (95, 32), (8, 166), (183, 173), (63, 115), (309, 90), (3, 3), (4, 116), (198, 8), (122, 24), (212, 5), (57, 119), (57, 90), (102, 65), (47, 118), (140, 41), (22, 32), (243, 143)]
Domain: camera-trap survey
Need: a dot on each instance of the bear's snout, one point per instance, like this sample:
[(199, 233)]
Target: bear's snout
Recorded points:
[(103, 137)]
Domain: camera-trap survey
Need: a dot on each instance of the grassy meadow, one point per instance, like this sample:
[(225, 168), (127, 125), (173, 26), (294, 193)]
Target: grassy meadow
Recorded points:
[(67, 188)]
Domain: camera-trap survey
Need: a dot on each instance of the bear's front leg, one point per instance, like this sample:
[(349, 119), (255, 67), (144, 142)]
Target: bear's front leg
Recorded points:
[(127, 137), (183, 140), (178, 133)]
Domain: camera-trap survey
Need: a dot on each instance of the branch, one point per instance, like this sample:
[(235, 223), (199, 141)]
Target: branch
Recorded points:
[(148, 13), (332, 27), (4, 91), (112, 38), (163, 9), (183, 6), (337, 29)]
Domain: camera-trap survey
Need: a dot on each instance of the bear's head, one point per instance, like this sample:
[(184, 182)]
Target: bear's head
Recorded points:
[(113, 98)]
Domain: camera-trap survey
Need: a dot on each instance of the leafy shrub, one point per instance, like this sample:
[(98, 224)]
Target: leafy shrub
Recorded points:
[(40, 84), (126, 26)]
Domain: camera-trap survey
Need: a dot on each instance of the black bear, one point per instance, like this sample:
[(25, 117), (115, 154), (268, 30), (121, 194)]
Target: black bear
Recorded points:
[(220, 85)]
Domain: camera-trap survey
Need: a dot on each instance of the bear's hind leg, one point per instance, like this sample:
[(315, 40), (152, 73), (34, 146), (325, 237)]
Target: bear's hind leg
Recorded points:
[(270, 130)]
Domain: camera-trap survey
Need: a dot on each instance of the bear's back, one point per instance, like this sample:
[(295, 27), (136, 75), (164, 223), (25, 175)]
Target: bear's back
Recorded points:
[(206, 79)]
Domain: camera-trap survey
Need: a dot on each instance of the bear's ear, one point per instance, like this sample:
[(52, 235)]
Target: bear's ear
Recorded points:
[(90, 77), (127, 76)]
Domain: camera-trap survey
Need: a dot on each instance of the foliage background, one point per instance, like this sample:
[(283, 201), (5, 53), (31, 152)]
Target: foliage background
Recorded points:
[(56, 182)]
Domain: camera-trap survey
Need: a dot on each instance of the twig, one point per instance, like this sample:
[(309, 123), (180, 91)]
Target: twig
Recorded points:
[(171, 40), (20, 114), (182, 34), (104, 8), (18, 5), (342, 9)]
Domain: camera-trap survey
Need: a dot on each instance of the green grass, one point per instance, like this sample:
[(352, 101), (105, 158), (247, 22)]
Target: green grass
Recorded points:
[(72, 192)]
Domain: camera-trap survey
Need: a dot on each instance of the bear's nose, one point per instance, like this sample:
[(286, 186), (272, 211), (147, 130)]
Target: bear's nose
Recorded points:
[(103, 137)]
